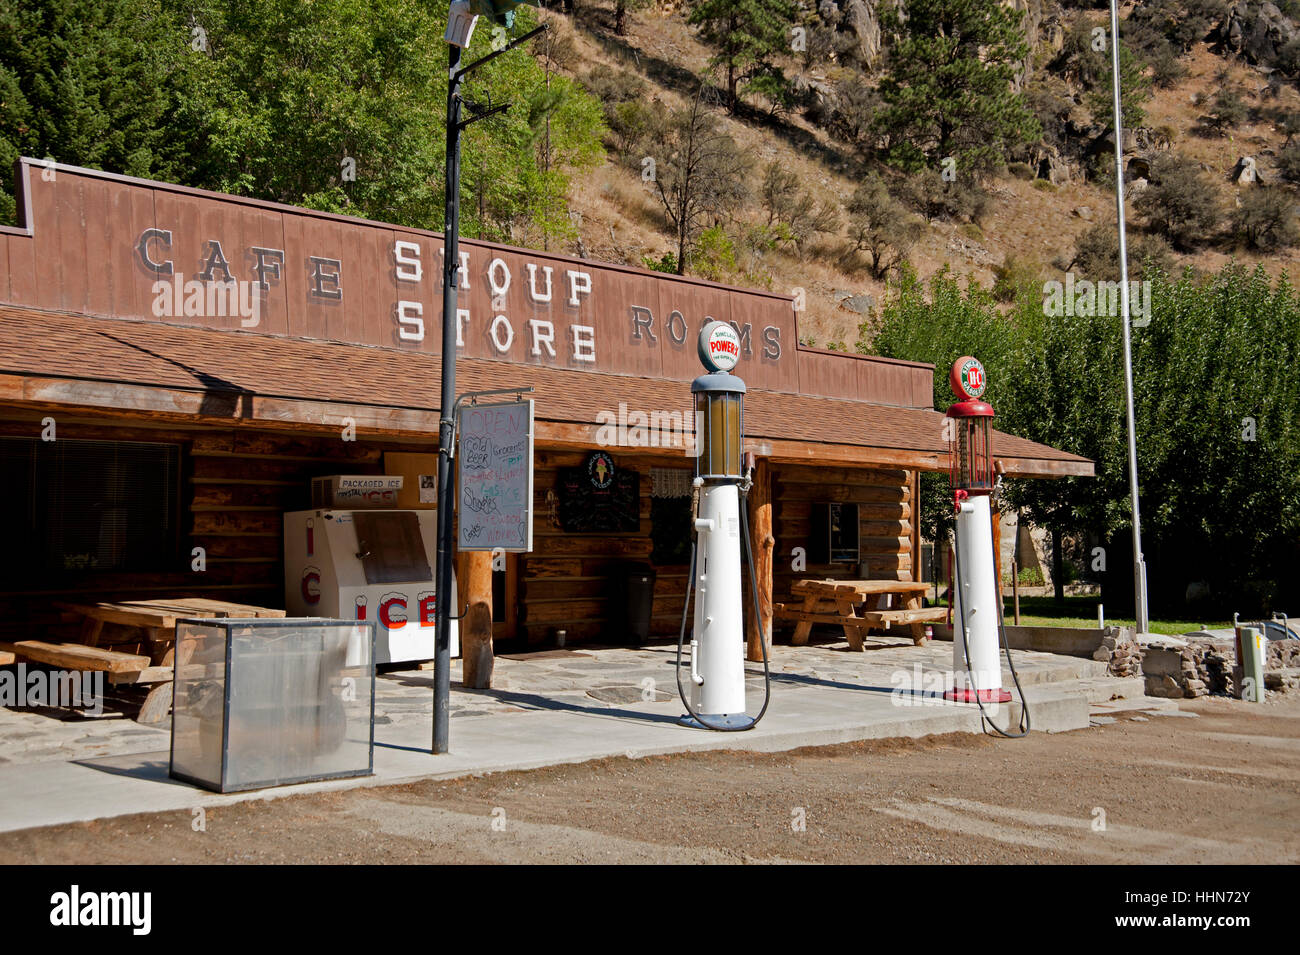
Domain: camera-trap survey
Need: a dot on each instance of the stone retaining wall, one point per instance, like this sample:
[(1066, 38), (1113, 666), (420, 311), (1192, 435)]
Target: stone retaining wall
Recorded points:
[(1191, 667)]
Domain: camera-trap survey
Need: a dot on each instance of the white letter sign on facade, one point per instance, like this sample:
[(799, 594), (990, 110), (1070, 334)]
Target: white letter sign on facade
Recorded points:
[(495, 481)]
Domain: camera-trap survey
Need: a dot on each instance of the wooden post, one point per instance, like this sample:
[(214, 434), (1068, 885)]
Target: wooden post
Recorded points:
[(1015, 587), (476, 625), (997, 547), (764, 544)]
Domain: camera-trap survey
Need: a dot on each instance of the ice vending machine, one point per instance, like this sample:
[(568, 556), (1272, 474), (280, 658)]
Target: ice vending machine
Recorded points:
[(368, 562)]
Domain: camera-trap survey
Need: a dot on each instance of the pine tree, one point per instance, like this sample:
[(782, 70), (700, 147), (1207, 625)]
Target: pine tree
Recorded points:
[(948, 86), (746, 33)]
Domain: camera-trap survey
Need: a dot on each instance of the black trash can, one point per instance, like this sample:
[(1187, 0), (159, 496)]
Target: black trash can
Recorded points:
[(636, 591)]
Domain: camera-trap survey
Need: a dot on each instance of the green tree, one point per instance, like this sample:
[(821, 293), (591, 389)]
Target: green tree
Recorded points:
[(335, 105), (1217, 406), (1134, 91), (93, 84), (938, 323), (747, 35), (948, 84)]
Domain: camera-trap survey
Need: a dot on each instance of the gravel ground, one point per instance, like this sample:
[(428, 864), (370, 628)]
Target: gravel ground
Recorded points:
[(1223, 787)]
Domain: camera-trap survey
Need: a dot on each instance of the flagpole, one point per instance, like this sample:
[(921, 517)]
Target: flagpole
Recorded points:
[(1139, 563)]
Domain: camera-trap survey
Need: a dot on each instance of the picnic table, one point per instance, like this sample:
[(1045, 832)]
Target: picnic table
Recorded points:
[(149, 626), (836, 602)]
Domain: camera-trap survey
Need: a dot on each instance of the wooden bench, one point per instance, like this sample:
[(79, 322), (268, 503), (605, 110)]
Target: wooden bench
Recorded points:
[(836, 602), (149, 625)]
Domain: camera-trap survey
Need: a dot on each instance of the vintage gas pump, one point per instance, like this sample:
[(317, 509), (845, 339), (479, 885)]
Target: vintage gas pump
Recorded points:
[(977, 617), (717, 670)]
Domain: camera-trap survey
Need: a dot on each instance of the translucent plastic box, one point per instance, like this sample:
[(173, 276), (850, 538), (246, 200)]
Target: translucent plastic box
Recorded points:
[(264, 702)]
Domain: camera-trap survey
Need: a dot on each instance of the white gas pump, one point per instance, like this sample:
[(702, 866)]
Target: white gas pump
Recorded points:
[(717, 670), (977, 604)]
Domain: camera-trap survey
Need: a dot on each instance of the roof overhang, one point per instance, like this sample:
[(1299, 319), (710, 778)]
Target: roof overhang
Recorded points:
[(191, 377)]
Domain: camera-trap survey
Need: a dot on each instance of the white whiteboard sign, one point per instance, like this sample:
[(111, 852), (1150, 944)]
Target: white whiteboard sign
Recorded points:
[(495, 480)]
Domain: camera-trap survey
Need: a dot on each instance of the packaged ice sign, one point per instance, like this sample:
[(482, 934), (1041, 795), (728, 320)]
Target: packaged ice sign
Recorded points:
[(495, 480), (719, 346), (355, 492)]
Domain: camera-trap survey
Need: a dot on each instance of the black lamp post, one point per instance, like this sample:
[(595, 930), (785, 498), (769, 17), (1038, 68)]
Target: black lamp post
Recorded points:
[(502, 14)]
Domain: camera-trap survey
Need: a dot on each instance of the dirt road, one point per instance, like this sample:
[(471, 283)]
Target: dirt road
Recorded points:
[(1223, 787)]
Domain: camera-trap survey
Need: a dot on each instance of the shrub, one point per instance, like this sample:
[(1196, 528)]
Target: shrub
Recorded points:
[(715, 254), (1288, 163), (793, 215), (880, 226), (930, 195), (1096, 254), (1266, 219), (1180, 203), (1167, 69), (1288, 58), (1012, 276), (1227, 111), (665, 263)]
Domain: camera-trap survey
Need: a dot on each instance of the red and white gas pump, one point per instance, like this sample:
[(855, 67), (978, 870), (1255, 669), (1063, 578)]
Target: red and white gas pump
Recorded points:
[(977, 616)]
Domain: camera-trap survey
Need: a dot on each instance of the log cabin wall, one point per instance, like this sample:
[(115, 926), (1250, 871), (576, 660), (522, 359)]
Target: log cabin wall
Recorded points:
[(566, 583), (235, 486), (887, 531)]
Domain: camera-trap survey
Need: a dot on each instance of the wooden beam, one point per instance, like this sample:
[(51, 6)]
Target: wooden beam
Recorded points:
[(759, 632), (476, 625), (74, 656)]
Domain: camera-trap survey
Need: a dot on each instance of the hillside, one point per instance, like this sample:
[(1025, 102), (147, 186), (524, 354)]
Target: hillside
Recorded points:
[(1033, 221)]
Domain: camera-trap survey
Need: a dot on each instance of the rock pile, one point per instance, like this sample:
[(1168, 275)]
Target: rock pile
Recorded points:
[(1175, 669), (1120, 651)]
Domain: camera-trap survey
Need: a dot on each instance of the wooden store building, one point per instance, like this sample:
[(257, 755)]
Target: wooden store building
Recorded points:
[(177, 365)]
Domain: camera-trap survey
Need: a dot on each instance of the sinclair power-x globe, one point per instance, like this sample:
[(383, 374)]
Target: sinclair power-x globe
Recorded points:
[(977, 673)]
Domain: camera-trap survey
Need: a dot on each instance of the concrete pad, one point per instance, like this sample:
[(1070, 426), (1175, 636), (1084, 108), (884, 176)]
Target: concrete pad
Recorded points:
[(543, 713)]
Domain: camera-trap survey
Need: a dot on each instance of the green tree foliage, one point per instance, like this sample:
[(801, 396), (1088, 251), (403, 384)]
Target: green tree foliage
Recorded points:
[(94, 84), (335, 105), (1134, 91), (748, 35), (948, 84), (1217, 403), (939, 323)]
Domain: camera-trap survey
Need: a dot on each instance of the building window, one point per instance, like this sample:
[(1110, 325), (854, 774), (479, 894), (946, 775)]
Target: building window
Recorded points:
[(670, 516), (91, 506), (835, 534)]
